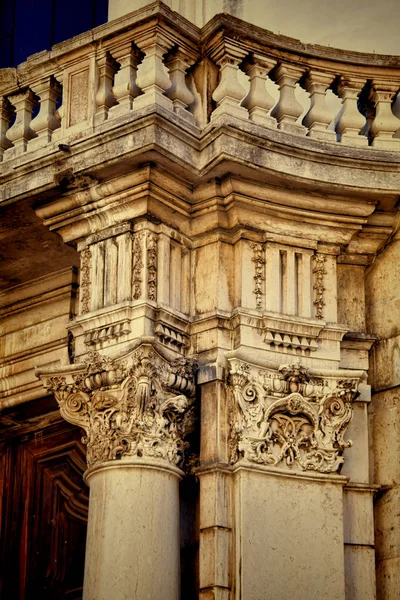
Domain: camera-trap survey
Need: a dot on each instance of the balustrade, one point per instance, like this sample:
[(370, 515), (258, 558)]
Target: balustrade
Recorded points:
[(125, 89), (46, 122), (21, 132), (179, 93), (153, 77), (288, 109), (104, 96), (258, 101), (351, 122), (385, 124), (229, 92), (144, 66), (319, 116), (5, 118)]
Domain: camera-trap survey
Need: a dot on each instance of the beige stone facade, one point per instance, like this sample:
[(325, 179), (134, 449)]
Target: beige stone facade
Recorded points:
[(200, 270)]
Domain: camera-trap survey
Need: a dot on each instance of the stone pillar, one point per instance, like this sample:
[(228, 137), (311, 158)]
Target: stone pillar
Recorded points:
[(136, 412), (132, 548), (287, 442)]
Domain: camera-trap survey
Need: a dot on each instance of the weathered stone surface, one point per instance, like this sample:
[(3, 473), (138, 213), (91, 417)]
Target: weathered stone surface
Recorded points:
[(251, 235)]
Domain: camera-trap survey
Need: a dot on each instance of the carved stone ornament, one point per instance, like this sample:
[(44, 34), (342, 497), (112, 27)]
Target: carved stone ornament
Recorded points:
[(152, 266), (137, 407), (289, 419), (86, 257), (137, 265), (319, 272), (259, 262)]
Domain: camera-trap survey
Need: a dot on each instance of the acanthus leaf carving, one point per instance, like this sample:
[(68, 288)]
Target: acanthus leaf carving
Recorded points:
[(142, 407), (304, 428)]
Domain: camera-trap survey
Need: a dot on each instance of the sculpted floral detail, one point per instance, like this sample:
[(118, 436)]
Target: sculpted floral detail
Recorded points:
[(259, 261), (152, 266), (298, 423), (139, 407), (319, 272), (137, 265), (86, 257)]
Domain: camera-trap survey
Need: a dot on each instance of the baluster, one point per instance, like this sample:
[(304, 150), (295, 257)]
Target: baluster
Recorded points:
[(45, 122), (351, 122), (258, 101), (396, 110), (153, 76), (288, 109), (125, 89), (104, 97), (59, 112), (5, 118), (181, 96), (229, 92), (385, 124), (319, 115), (21, 132)]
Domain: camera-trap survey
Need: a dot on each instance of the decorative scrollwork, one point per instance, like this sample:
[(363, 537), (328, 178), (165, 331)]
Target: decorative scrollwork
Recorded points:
[(294, 430), (130, 408)]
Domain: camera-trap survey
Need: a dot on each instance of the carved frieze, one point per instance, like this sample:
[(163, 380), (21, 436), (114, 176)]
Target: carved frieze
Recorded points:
[(289, 419), (138, 407)]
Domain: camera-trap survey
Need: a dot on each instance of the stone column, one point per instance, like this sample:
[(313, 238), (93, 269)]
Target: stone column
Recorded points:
[(136, 412)]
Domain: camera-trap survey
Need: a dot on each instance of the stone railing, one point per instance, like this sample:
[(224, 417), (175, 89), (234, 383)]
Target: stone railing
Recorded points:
[(154, 59)]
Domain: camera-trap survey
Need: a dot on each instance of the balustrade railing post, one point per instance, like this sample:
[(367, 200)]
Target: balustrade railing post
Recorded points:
[(21, 132), (5, 117), (258, 101), (153, 77), (288, 109), (125, 89), (351, 121), (179, 93), (385, 124), (45, 122), (229, 92), (104, 97), (319, 116)]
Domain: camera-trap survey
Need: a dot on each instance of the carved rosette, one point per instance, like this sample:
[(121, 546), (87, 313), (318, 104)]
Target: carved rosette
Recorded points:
[(289, 420), (140, 407)]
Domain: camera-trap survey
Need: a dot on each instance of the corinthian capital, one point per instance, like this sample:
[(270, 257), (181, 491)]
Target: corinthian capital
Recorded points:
[(139, 406), (288, 419)]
